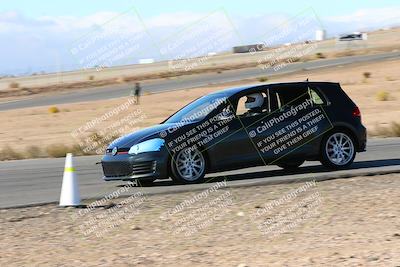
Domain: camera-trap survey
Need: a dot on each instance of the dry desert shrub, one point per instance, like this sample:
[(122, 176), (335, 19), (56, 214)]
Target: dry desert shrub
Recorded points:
[(393, 130), (123, 79), (57, 150), (53, 109), (8, 153), (77, 150), (367, 74), (13, 85), (382, 96), (34, 152)]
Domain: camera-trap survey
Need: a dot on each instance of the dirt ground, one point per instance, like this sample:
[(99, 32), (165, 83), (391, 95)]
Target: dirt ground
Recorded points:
[(345, 222), (37, 126)]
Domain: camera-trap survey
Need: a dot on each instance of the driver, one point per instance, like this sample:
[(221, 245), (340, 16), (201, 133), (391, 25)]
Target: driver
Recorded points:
[(254, 104)]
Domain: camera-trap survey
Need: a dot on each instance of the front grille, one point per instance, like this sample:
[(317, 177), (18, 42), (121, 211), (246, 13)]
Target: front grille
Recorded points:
[(117, 169), (125, 168), (144, 168)]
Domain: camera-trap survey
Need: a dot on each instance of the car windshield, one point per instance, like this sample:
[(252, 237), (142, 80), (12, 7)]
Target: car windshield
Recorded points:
[(198, 109)]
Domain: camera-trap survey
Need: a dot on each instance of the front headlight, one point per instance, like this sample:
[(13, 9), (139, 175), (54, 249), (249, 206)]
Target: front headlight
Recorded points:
[(151, 145)]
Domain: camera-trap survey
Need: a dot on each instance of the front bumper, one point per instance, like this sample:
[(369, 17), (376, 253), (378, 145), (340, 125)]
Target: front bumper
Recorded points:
[(151, 165)]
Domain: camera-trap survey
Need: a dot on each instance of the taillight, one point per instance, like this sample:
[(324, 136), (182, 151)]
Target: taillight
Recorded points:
[(356, 112)]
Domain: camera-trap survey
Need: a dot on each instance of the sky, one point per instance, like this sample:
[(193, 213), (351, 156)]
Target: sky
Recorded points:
[(60, 35)]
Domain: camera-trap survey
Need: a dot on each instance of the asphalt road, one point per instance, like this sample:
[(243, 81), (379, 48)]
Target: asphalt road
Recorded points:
[(188, 81), (36, 181)]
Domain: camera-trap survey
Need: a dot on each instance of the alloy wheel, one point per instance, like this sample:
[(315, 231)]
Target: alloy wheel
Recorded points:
[(339, 149), (190, 164)]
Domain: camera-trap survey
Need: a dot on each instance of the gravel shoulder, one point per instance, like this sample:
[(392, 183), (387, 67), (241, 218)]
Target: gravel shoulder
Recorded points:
[(345, 222)]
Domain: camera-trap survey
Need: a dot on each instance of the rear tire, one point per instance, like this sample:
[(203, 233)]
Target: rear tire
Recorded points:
[(188, 166), (337, 150), (293, 165)]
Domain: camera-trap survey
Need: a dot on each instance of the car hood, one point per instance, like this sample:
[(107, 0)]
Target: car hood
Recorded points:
[(131, 139)]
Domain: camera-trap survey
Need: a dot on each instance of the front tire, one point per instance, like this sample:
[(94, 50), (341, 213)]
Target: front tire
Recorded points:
[(188, 166), (337, 150)]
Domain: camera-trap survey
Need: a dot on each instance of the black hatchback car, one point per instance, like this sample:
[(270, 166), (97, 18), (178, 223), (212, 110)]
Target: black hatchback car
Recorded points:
[(281, 124)]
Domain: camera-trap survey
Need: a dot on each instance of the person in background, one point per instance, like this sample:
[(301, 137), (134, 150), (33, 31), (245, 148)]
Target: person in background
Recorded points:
[(137, 92)]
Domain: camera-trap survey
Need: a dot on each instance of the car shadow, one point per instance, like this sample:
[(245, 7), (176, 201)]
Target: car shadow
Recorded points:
[(307, 169), (215, 177)]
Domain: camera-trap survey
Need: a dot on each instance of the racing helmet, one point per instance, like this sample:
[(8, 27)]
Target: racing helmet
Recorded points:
[(254, 101)]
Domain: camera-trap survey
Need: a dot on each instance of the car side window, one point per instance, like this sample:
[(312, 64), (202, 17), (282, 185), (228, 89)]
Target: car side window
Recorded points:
[(286, 97), (315, 97)]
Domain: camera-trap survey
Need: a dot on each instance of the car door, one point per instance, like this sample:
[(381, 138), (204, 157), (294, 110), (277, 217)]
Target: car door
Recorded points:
[(269, 132), (237, 149), (298, 120)]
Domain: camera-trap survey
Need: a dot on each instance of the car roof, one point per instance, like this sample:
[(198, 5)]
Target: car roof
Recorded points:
[(234, 90)]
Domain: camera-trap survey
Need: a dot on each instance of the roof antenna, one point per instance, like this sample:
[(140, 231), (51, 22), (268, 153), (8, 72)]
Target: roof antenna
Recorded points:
[(307, 80)]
